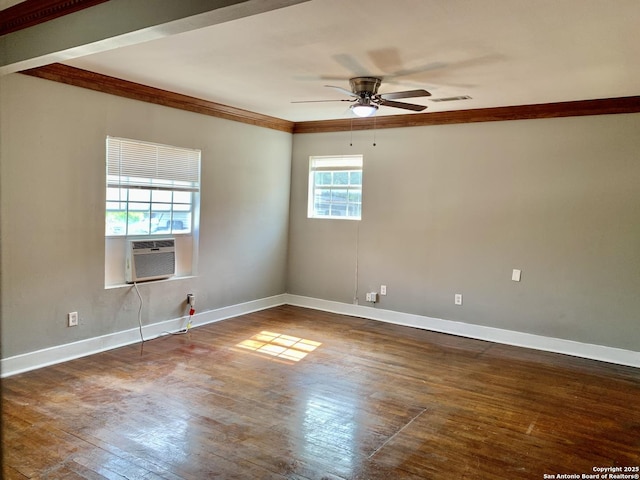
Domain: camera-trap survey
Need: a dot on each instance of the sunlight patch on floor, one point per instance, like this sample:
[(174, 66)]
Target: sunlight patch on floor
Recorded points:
[(278, 345)]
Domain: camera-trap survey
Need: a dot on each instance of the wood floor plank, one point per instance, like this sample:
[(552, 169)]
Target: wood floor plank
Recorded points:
[(291, 393), (10, 473)]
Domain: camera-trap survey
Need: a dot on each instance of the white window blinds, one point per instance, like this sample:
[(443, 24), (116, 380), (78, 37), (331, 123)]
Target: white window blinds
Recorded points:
[(347, 162), (132, 163)]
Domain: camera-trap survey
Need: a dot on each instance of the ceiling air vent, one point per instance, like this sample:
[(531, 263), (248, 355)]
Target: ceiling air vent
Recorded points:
[(451, 99)]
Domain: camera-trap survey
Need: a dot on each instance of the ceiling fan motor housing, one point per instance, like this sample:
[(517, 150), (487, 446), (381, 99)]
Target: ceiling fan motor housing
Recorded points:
[(366, 99), (365, 86)]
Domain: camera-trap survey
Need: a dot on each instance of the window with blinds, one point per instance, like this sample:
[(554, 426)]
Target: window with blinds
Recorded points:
[(152, 189), (335, 187)]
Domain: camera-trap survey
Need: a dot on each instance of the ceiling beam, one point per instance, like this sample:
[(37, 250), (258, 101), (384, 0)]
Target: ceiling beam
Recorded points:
[(113, 24)]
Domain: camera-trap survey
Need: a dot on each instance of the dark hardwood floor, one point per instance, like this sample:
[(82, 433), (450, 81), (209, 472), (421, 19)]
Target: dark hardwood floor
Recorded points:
[(290, 393)]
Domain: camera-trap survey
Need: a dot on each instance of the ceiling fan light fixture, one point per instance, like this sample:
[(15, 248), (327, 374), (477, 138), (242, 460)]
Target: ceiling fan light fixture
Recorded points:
[(364, 110)]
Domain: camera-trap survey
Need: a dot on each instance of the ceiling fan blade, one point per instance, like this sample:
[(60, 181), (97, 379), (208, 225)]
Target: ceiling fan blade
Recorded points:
[(351, 64), (405, 94), (316, 101), (406, 106), (386, 59), (342, 90)]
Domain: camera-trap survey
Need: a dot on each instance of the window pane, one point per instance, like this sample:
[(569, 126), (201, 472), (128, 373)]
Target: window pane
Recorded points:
[(144, 218), (161, 196), (117, 206), (160, 216), (323, 195), (160, 207), (138, 223), (116, 223), (340, 178), (181, 222), (182, 197), (117, 194), (182, 208), (338, 210), (339, 196), (355, 196), (139, 207), (322, 208), (139, 195), (355, 178), (323, 178), (355, 210)]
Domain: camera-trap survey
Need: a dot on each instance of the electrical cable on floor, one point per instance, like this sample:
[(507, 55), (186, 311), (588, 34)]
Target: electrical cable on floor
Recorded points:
[(187, 328), (139, 311), (183, 331)]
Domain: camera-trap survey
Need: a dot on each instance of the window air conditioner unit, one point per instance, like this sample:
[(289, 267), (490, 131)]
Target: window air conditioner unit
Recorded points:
[(150, 260)]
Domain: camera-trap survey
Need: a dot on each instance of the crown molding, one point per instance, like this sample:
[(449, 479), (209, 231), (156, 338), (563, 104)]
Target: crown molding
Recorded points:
[(579, 108), (33, 12), (136, 91), (115, 86)]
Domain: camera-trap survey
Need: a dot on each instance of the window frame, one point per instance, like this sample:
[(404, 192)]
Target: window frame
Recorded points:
[(335, 164)]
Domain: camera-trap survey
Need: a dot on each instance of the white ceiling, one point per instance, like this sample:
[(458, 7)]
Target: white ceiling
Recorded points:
[(500, 52), (8, 3)]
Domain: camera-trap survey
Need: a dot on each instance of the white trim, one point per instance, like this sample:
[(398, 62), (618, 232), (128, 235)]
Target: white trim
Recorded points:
[(480, 332), (62, 353)]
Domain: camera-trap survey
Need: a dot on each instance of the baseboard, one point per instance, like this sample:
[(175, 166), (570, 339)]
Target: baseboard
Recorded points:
[(62, 353), (491, 334)]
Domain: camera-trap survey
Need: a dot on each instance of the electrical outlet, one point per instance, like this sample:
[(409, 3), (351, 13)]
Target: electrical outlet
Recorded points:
[(191, 299), (372, 297), (457, 299), (72, 318), (383, 289)]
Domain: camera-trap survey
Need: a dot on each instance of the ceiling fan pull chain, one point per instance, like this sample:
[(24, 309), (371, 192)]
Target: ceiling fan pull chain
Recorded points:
[(351, 141), (374, 131)]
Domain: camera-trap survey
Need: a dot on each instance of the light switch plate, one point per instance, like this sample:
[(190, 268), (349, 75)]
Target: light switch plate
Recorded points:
[(515, 276)]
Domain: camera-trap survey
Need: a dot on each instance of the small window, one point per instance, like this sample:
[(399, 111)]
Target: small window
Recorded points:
[(335, 187), (151, 189)]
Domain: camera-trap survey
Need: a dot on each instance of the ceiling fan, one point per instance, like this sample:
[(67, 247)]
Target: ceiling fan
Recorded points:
[(366, 100)]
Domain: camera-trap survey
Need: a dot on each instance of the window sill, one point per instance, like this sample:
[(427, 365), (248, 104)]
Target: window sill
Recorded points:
[(152, 236), (170, 279), (335, 218)]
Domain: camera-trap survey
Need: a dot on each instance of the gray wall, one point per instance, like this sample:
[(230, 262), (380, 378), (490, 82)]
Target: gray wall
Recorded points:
[(453, 209), (447, 209), (52, 174)]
